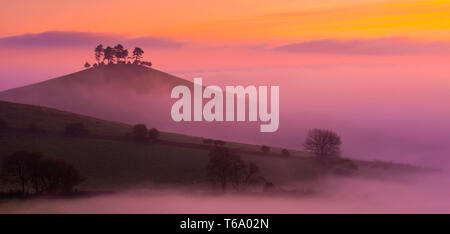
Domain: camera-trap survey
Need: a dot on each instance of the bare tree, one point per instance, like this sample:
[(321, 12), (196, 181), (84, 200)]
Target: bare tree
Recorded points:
[(323, 143)]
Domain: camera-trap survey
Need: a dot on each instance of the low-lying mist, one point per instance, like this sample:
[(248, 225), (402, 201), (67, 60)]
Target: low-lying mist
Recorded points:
[(427, 194)]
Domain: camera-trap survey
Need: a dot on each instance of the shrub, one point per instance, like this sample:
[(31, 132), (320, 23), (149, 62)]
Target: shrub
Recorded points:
[(140, 131), (153, 134)]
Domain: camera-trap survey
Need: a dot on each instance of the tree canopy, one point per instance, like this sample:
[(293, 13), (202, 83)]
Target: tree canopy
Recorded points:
[(117, 55)]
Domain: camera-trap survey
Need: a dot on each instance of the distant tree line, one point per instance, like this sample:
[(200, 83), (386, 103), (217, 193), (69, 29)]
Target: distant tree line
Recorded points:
[(44, 175), (117, 55)]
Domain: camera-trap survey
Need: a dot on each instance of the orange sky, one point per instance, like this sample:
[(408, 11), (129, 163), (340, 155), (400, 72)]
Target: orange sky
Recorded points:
[(233, 21)]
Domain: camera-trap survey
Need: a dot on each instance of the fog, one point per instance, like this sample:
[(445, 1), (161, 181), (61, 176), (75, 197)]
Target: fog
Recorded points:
[(425, 194), (389, 108)]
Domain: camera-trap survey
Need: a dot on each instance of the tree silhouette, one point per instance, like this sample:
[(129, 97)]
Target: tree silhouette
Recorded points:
[(87, 65), (119, 52), (124, 55), (226, 168), (99, 52), (58, 176), (221, 166), (109, 54), (45, 175), (324, 144), (153, 134), (140, 132), (137, 54), (20, 167)]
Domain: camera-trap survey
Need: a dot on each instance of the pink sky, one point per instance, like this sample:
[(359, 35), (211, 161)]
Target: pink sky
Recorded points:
[(374, 70)]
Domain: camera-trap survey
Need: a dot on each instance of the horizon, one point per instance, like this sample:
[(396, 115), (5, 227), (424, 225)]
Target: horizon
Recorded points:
[(224, 106)]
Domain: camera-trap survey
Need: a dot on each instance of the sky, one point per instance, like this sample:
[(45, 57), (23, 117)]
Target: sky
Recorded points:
[(376, 70)]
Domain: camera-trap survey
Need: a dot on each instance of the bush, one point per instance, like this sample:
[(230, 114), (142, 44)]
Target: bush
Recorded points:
[(76, 129), (153, 134), (140, 131)]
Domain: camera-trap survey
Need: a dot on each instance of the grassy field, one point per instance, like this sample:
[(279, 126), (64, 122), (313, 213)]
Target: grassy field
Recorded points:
[(111, 162)]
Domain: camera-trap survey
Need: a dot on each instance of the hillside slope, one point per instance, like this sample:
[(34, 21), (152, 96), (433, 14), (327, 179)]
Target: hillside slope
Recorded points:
[(129, 94), (110, 162), (119, 92)]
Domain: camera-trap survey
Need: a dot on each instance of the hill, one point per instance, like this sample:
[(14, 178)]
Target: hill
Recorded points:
[(110, 162), (129, 94), (119, 92)]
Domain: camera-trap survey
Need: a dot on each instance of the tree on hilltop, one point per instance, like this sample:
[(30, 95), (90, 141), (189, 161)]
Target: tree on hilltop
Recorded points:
[(137, 54), (99, 52), (109, 55)]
